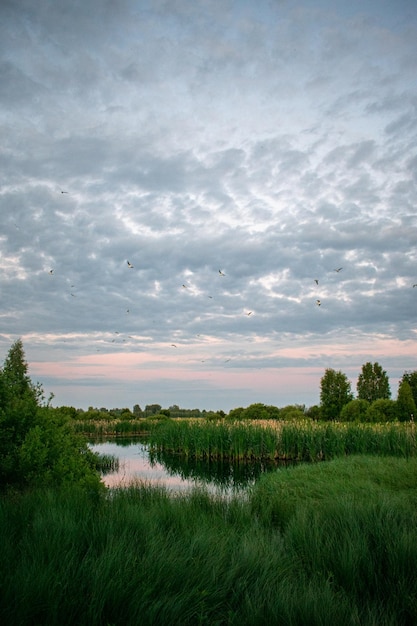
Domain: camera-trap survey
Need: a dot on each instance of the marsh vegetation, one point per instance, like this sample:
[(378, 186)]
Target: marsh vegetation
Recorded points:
[(314, 544), (332, 538)]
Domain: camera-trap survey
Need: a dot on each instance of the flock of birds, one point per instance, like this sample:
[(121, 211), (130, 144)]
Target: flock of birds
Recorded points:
[(130, 266), (316, 280)]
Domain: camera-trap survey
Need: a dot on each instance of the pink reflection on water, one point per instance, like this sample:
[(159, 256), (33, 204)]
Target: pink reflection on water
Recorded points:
[(134, 465)]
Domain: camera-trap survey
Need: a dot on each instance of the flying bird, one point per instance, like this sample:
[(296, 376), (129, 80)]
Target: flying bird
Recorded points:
[(173, 345), (316, 280), (415, 285), (250, 313), (318, 302), (64, 191), (221, 273), (338, 269), (51, 271), (130, 266)]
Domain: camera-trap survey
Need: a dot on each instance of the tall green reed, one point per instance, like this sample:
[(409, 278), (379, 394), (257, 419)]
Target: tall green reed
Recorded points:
[(300, 440)]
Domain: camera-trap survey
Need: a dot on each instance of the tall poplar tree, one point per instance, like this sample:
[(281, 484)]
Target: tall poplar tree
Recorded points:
[(411, 378), (373, 383), (335, 394), (406, 407)]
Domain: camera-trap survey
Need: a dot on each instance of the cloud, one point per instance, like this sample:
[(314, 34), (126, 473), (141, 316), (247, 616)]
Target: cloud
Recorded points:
[(275, 142)]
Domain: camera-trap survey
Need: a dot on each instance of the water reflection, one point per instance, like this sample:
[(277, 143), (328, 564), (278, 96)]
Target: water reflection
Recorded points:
[(138, 462), (219, 472), (135, 464)]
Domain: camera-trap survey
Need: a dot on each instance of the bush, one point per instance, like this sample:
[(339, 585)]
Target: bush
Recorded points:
[(314, 412), (292, 412), (354, 411), (382, 410), (257, 411)]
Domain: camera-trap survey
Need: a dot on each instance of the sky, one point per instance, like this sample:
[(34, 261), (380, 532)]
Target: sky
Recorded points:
[(180, 181)]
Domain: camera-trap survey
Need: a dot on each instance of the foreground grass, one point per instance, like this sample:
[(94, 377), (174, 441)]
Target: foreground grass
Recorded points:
[(320, 544)]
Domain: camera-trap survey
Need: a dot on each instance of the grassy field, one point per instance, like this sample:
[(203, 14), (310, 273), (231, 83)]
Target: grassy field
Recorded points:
[(318, 544)]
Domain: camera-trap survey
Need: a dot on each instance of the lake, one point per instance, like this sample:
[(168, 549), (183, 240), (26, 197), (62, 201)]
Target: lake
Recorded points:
[(138, 463)]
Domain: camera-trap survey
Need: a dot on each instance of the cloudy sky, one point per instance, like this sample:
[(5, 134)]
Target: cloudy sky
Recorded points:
[(275, 141)]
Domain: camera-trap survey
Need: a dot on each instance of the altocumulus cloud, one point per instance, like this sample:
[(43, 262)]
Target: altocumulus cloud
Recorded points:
[(276, 142)]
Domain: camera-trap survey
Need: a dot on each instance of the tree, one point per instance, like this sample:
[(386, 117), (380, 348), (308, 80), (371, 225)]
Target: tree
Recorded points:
[(373, 383), (411, 378), (335, 393), (406, 407), (37, 443), (314, 412), (15, 371), (260, 411), (152, 409), (137, 411), (18, 406)]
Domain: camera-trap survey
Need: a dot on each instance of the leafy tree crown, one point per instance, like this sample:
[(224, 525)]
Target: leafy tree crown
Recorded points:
[(373, 383)]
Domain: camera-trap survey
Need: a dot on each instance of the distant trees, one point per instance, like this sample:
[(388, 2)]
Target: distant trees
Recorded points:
[(373, 383), (256, 411), (335, 393), (152, 409), (373, 402)]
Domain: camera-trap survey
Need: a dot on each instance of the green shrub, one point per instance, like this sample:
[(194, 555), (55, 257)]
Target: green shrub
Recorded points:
[(354, 411), (382, 410)]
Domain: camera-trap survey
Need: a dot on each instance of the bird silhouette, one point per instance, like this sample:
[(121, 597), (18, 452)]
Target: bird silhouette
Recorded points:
[(221, 273), (130, 266), (64, 191), (339, 269), (318, 302), (250, 313), (51, 271), (316, 280), (415, 285)]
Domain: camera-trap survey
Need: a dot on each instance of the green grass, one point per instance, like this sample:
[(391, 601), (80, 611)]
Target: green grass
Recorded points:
[(329, 543)]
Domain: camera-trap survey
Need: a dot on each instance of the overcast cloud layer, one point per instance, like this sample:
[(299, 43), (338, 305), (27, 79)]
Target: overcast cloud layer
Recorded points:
[(273, 142)]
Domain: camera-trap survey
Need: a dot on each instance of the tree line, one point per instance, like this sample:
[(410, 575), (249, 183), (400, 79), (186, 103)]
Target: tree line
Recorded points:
[(373, 401)]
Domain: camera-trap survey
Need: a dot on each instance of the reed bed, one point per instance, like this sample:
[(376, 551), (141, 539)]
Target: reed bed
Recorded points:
[(301, 440), (342, 551), (113, 428), (107, 463)]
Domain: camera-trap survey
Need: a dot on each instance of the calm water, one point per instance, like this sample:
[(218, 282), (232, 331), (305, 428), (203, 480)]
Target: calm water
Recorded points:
[(136, 462)]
